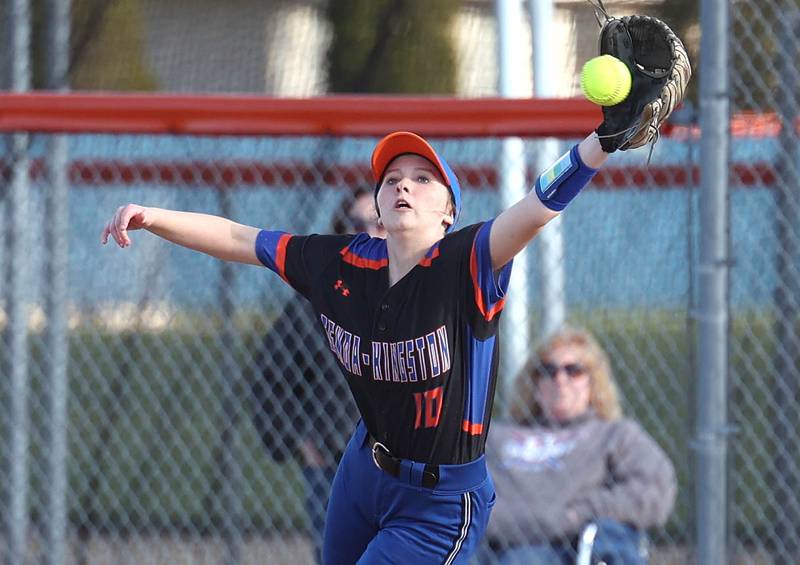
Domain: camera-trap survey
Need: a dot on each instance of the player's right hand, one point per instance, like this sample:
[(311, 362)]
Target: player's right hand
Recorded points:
[(127, 218)]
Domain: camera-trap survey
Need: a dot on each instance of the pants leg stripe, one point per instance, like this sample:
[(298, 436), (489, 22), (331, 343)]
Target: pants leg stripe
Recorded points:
[(467, 517)]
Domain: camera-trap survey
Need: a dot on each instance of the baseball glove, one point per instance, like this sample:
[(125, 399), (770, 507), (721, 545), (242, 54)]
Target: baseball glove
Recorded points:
[(660, 72)]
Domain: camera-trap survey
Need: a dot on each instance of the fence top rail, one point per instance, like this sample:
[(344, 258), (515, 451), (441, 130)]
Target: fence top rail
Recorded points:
[(340, 115), (78, 112)]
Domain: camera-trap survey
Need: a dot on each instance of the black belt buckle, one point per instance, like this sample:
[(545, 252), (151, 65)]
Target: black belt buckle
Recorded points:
[(385, 461), (378, 445)]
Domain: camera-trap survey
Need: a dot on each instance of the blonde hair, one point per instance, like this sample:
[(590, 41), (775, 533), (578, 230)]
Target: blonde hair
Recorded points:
[(604, 397)]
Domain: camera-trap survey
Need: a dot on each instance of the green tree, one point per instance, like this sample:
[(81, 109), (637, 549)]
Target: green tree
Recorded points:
[(392, 46), (106, 46)]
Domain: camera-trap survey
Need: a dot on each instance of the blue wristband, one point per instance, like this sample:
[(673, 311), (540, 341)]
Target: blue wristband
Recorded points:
[(558, 185)]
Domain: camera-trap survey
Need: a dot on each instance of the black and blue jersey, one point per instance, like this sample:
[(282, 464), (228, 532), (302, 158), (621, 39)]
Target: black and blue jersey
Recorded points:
[(420, 357)]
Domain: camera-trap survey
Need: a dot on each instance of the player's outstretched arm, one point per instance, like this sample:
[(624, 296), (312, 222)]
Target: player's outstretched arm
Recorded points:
[(519, 224), (213, 235), (660, 71)]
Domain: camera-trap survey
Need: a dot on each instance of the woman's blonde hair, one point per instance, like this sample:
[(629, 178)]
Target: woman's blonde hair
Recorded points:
[(604, 398)]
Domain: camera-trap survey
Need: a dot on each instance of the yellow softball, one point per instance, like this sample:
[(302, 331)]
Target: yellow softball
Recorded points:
[(605, 80)]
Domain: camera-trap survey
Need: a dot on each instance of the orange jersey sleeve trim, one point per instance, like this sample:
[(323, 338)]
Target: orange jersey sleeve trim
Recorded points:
[(473, 269), (280, 255)]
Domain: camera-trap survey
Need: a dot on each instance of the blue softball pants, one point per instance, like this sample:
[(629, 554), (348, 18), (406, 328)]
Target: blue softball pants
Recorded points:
[(375, 518)]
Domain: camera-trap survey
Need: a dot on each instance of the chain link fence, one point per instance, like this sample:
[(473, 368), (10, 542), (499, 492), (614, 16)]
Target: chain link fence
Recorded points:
[(165, 460), (128, 399), (765, 367)]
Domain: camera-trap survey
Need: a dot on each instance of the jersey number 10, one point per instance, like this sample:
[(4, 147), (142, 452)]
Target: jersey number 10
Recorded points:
[(429, 408)]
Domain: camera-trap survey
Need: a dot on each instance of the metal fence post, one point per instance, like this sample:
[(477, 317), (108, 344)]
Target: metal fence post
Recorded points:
[(712, 314), (512, 188), (230, 467), (56, 292), (16, 336), (551, 238)]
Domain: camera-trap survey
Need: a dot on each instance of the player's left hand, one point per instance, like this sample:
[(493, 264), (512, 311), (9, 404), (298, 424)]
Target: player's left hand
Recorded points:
[(660, 72)]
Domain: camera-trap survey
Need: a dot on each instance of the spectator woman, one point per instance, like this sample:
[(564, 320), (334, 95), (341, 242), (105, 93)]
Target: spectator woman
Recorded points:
[(570, 458)]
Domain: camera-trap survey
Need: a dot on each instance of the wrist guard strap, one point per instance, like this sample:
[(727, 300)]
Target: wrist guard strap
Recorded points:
[(562, 182)]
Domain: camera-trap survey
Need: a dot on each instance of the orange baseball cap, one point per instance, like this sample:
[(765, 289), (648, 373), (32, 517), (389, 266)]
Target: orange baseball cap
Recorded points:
[(405, 142)]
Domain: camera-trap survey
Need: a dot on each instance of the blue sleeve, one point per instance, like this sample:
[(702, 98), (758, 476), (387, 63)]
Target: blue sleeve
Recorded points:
[(299, 259), (271, 249), (489, 286)]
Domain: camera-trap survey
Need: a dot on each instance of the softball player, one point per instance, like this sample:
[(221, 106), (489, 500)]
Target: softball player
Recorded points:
[(412, 321)]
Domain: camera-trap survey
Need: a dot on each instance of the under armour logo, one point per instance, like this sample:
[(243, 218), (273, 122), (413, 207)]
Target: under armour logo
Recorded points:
[(341, 288)]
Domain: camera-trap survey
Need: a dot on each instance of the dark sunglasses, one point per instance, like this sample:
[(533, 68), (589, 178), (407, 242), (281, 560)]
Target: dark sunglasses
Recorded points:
[(573, 370)]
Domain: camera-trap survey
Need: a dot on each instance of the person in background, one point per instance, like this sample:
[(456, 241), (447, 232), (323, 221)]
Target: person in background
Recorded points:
[(569, 458), (302, 408)]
